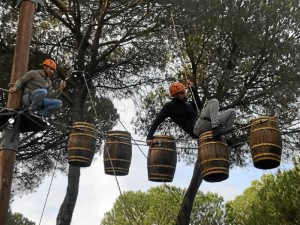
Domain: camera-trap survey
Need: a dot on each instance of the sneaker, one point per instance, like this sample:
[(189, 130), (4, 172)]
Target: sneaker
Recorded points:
[(30, 112), (217, 131), (31, 108)]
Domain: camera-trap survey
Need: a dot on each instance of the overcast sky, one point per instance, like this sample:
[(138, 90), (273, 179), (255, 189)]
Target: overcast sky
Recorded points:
[(98, 191)]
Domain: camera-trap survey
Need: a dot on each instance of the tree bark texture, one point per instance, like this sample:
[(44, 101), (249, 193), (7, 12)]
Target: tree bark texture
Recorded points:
[(65, 213), (183, 217), (66, 210)]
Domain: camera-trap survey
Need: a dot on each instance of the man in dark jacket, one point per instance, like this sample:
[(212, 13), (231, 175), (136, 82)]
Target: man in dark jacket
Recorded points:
[(185, 114), (38, 95)]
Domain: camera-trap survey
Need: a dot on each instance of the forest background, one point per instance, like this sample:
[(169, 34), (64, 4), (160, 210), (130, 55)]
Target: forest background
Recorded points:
[(245, 53)]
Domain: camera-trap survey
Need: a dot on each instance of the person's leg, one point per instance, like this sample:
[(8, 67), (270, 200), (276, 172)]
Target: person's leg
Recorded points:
[(25, 100), (201, 126), (227, 118), (50, 105), (36, 98), (211, 111)]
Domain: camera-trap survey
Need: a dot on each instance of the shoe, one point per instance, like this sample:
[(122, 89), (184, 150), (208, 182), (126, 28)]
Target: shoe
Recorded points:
[(33, 109), (31, 112), (40, 115), (47, 119), (217, 131)]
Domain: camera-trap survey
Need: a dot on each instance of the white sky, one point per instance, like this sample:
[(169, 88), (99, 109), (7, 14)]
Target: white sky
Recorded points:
[(98, 191)]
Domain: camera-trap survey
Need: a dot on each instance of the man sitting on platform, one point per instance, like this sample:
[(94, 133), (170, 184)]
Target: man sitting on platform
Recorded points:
[(38, 95)]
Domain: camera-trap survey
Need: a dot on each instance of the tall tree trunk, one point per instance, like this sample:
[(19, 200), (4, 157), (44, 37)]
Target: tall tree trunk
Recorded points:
[(65, 213), (66, 210), (184, 214)]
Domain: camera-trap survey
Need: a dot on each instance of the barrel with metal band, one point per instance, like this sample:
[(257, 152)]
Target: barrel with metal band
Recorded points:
[(117, 153), (265, 142), (213, 155), (162, 159), (82, 144)]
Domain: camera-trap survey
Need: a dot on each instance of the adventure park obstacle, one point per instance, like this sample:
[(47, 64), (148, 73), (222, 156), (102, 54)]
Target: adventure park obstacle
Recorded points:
[(117, 153), (265, 142), (213, 152), (82, 144), (162, 159), (213, 157)]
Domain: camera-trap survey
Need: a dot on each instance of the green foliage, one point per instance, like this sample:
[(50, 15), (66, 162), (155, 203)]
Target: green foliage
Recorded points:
[(107, 115), (159, 205), (18, 219), (272, 200)]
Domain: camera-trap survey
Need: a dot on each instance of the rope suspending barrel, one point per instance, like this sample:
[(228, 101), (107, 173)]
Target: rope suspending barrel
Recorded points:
[(265, 142), (82, 144), (117, 153), (162, 159), (213, 156)]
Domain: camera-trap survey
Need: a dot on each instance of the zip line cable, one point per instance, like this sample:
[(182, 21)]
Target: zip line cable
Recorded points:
[(144, 156), (106, 149), (48, 192), (2, 89), (174, 196)]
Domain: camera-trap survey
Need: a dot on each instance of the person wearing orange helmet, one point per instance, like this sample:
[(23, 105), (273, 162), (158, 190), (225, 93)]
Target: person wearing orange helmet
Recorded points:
[(185, 114), (38, 96)]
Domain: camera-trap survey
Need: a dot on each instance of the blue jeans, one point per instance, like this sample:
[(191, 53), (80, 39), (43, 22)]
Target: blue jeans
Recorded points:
[(37, 101)]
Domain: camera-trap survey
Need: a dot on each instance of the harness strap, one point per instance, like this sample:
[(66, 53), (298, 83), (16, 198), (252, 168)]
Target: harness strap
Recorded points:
[(29, 99)]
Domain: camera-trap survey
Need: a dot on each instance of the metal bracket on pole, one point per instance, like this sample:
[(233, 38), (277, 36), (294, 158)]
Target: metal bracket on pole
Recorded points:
[(10, 136), (36, 2)]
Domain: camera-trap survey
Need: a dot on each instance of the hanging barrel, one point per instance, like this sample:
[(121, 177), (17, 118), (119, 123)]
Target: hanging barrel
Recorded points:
[(117, 153), (82, 144), (162, 159), (265, 142), (213, 156)]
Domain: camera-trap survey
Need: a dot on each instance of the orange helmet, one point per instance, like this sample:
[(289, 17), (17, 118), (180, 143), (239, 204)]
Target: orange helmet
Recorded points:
[(50, 63), (176, 87)]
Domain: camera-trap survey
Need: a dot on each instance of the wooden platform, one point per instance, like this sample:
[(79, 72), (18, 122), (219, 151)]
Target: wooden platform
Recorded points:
[(29, 122)]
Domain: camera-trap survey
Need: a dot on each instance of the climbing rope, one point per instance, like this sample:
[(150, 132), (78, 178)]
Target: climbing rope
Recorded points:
[(48, 192), (109, 157), (2, 89), (182, 60)]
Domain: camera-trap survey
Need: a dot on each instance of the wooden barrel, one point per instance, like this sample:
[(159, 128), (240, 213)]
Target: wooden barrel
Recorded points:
[(265, 142), (82, 144), (213, 156), (162, 159), (117, 153)]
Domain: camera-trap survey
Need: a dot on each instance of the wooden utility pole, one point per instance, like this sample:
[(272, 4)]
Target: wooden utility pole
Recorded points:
[(10, 135)]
